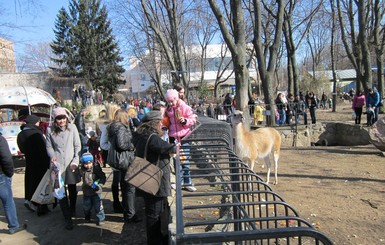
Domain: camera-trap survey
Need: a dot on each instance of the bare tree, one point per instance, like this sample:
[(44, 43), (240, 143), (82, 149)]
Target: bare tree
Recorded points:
[(266, 45), (332, 53), (299, 17), (379, 41), (230, 18), (36, 57), (353, 13)]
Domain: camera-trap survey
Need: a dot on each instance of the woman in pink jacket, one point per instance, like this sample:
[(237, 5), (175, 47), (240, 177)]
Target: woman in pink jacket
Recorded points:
[(181, 119), (358, 103)]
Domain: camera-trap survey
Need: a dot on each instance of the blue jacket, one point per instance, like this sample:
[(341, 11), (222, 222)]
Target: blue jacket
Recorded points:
[(373, 99)]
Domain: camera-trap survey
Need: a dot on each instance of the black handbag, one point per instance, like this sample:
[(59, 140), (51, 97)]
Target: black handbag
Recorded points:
[(119, 160)]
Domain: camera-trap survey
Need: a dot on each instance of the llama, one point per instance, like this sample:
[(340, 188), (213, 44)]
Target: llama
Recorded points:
[(256, 144)]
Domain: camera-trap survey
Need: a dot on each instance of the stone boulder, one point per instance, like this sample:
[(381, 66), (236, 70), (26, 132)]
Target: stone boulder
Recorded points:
[(343, 134), (377, 134)]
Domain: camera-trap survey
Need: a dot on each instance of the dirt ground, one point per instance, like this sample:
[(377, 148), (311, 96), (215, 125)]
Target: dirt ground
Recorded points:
[(338, 189)]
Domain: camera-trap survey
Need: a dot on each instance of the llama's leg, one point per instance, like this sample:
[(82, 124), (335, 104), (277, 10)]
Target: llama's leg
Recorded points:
[(276, 157), (268, 164)]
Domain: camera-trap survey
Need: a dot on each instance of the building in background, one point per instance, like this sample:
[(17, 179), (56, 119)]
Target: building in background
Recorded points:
[(142, 83), (7, 56)]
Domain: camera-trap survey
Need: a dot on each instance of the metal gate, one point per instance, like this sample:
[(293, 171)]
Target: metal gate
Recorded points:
[(232, 205)]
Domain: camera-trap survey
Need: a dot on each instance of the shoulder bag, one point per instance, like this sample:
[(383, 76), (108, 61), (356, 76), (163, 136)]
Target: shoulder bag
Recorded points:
[(143, 174)]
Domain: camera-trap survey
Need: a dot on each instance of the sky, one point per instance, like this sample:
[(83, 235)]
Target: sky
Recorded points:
[(32, 21)]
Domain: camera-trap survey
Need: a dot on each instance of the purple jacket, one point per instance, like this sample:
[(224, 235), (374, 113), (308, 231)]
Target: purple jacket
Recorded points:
[(358, 101), (176, 129)]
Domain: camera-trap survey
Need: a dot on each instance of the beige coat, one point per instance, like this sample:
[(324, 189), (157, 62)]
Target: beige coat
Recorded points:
[(66, 147)]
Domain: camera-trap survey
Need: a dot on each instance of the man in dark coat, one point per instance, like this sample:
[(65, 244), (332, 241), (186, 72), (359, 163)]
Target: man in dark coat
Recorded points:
[(31, 142)]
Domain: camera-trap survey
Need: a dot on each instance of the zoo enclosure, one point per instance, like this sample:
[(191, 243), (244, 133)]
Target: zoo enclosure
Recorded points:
[(232, 205)]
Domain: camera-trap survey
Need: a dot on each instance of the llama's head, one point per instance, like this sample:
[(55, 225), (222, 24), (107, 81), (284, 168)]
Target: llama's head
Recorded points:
[(237, 117)]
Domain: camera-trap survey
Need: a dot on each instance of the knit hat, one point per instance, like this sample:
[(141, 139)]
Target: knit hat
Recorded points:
[(172, 94), (31, 119), (59, 111), (152, 115), (86, 158)]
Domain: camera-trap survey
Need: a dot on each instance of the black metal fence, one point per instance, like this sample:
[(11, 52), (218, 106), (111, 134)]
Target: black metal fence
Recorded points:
[(232, 205)]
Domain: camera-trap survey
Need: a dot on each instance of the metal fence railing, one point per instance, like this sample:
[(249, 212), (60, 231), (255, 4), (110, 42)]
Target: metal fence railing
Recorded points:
[(232, 205)]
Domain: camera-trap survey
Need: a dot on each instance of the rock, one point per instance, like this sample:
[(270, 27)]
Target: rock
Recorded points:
[(377, 134)]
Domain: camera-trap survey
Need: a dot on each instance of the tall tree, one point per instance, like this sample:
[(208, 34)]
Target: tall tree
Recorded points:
[(332, 53), (353, 14), (379, 41), (233, 32), (266, 49), (297, 22), (85, 46)]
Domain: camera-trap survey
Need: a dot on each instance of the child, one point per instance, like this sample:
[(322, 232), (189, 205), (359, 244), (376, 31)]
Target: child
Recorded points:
[(93, 147), (93, 180), (370, 115), (258, 115)]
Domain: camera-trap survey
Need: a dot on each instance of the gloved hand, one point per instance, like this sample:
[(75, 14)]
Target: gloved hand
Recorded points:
[(95, 185)]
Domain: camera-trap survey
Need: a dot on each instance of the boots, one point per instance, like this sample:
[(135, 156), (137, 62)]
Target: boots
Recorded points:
[(66, 213)]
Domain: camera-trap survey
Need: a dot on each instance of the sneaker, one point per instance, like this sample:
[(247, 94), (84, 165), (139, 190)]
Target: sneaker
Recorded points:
[(16, 230), (29, 206), (190, 188), (100, 223)]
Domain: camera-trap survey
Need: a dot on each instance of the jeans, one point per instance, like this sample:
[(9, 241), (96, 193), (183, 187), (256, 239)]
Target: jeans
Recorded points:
[(282, 117), (6, 197), (312, 115), (185, 167), (304, 114), (94, 202), (128, 197)]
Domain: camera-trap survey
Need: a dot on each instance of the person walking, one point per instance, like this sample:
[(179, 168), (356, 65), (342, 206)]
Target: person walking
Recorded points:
[(181, 119), (93, 180), (105, 146), (358, 102), (31, 143), (158, 152), (63, 147), (6, 194), (120, 136)]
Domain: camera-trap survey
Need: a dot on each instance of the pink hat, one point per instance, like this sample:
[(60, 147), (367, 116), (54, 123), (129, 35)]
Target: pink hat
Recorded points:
[(172, 94), (59, 111)]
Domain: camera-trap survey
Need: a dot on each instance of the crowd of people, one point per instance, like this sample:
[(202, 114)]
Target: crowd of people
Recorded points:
[(78, 156)]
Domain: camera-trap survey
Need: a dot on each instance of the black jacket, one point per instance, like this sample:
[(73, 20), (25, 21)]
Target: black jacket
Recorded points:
[(6, 161), (31, 142), (157, 147), (119, 135)]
